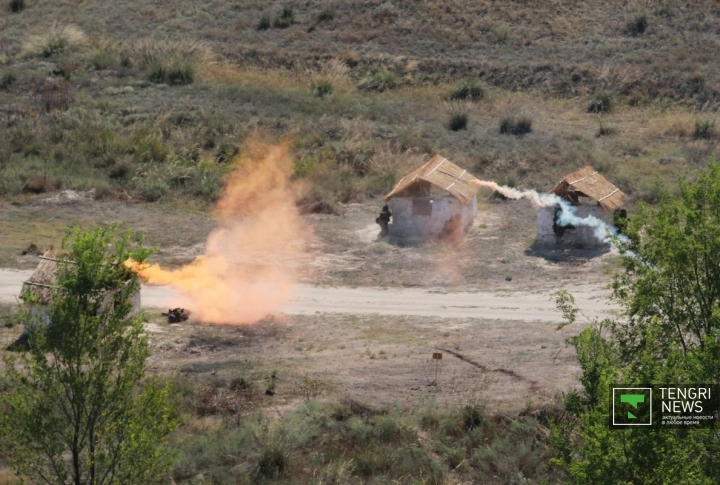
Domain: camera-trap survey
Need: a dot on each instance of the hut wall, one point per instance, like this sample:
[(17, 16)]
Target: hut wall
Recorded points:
[(424, 218), (581, 237)]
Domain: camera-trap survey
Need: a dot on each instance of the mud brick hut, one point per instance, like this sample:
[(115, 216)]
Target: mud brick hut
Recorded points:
[(435, 201), (590, 194), (39, 286)]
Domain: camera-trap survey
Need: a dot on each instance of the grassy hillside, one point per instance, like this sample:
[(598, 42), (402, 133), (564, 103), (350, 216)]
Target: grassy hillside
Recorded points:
[(151, 99)]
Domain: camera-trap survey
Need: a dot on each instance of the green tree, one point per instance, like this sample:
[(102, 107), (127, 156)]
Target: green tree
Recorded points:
[(668, 332), (77, 408)]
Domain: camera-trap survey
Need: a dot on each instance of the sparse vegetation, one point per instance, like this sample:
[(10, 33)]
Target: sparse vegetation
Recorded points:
[(7, 80), (515, 126), (601, 102), (638, 25), (55, 41), (360, 443), (285, 19), (378, 81), (605, 130), (321, 88), (468, 90), (326, 15), (17, 6), (458, 121), (704, 129), (264, 22)]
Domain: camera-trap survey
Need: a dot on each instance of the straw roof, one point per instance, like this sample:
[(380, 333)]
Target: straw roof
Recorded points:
[(441, 173), (42, 279), (587, 182)]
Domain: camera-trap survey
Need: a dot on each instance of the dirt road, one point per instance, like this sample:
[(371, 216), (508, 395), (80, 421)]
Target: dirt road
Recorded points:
[(306, 299)]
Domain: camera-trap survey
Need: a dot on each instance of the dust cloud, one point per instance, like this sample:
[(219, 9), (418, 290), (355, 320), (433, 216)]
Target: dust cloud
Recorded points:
[(252, 259)]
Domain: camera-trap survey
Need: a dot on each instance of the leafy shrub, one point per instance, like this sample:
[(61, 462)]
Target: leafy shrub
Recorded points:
[(458, 121), (264, 23), (322, 88), (8, 80), (285, 19), (17, 6), (378, 81), (638, 25), (600, 103), (515, 126), (704, 129), (468, 90)]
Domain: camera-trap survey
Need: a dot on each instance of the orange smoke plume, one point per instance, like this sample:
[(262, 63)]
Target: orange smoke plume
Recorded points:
[(252, 259)]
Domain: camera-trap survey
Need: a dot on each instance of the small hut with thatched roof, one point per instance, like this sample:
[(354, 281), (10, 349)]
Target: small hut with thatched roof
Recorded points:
[(435, 200), (39, 286), (590, 194)]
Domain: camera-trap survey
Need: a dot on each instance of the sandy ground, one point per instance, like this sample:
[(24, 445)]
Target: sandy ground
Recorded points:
[(536, 306), (366, 316)]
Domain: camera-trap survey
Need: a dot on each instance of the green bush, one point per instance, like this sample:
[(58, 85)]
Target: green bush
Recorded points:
[(704, 129), (468, 90), (322, 88), (17, 6), (8, 80), (515, 126), (378, 81), (458, 121), (600, 103), (285, 19), (638, 25), (264, 23)]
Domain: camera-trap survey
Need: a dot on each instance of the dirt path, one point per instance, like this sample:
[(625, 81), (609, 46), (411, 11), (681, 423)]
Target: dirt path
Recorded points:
[(307, 300)]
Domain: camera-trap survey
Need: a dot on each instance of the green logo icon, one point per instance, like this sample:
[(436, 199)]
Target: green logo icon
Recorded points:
[(631, 406), (633, 400)]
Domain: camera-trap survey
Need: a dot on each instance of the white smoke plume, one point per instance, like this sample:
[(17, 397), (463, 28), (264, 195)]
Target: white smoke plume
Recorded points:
[(568, 214)]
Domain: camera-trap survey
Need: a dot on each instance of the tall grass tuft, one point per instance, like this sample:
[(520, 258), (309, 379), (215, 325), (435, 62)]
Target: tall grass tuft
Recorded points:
[(173, 63), (55, 41), (515, 126), (704, 130), (470, 90), (321, 88), (285, 19), (264, 23), (601, 102), (378, 81), (17, 6), (638, 25), (8, 79), (458, 121)]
